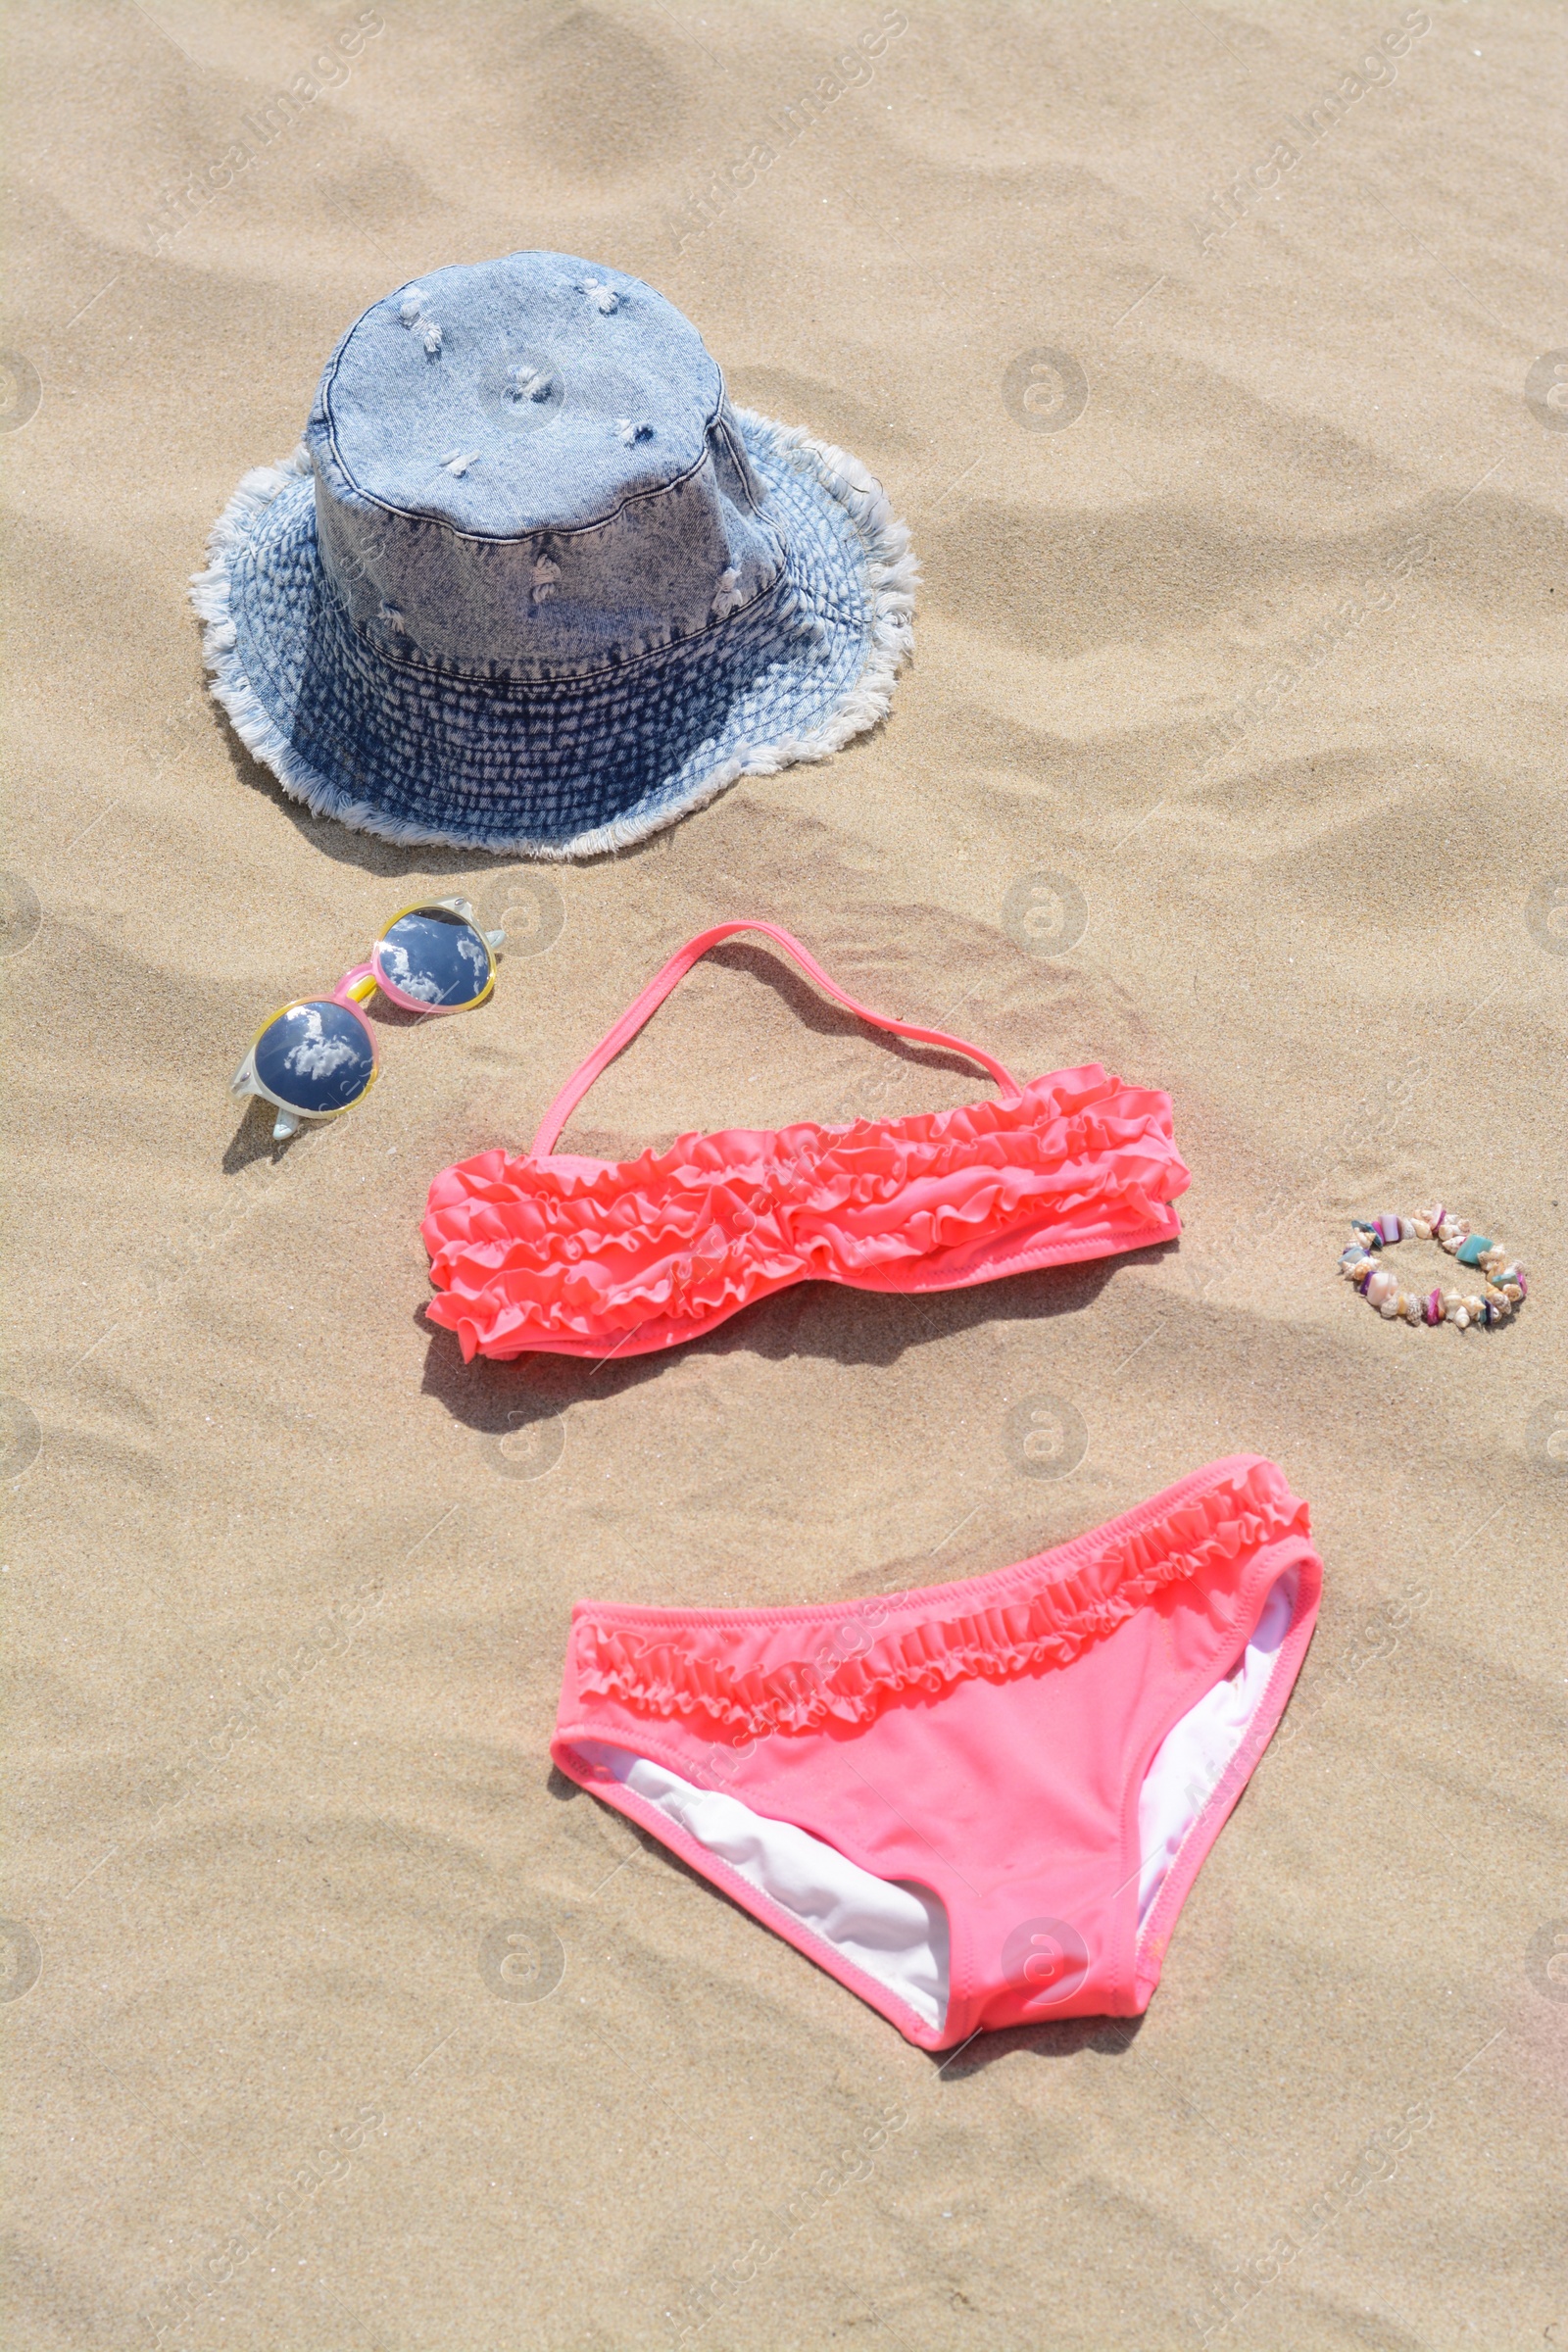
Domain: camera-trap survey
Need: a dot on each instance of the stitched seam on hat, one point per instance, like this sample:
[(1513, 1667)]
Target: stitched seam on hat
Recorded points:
[(740, 457), (614, 667), (543, 530)]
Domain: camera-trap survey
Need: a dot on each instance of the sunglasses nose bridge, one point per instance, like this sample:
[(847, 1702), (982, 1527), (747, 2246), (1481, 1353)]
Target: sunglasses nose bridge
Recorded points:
[(356, 988)]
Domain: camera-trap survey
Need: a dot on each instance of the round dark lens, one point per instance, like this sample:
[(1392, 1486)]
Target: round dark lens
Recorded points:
[(434, 957), (315, 1056)]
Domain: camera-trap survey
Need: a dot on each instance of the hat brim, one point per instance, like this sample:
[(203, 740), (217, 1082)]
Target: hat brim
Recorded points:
[(562, 768)]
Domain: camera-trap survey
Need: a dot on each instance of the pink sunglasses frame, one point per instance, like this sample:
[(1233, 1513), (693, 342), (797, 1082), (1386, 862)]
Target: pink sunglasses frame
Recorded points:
[(356, 988)]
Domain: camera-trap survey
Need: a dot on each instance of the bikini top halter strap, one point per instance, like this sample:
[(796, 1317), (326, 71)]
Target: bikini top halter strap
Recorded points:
[(680, 964)]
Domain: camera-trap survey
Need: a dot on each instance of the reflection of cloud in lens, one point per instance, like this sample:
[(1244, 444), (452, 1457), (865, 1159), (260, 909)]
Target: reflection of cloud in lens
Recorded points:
[(314, 1055), (434, 941), (418, 985)]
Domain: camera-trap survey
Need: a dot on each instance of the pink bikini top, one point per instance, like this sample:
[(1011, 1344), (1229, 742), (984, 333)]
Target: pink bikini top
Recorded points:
[(573, 1257)]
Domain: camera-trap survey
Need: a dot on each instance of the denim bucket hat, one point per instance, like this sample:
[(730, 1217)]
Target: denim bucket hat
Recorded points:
[(531, 585)]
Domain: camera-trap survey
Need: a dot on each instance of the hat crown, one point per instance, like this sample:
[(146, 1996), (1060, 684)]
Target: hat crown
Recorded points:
[(529, 467)]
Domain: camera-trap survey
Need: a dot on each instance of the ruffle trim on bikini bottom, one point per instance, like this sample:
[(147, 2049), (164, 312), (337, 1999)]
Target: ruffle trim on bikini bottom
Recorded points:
[(684, 1675), (522, 1251)]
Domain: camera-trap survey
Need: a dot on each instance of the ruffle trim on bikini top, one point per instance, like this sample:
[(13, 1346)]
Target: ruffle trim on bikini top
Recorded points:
[(520, 1247), (707, 1672)]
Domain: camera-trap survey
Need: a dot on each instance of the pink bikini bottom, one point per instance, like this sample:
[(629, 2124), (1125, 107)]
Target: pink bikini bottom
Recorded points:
[(981, 1804)]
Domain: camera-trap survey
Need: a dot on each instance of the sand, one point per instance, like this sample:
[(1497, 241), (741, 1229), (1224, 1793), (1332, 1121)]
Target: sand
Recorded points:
[(334, 2019)]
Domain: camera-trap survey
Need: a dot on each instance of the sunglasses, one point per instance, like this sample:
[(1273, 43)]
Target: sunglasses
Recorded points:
[(317, 1057)]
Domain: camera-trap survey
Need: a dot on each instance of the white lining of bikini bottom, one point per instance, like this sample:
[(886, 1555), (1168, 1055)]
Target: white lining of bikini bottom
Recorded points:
[(896, 1929), (1194, 1754)]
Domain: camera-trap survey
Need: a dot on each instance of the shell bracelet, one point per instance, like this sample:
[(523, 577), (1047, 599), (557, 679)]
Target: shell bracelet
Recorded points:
[(1503, 1278)]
